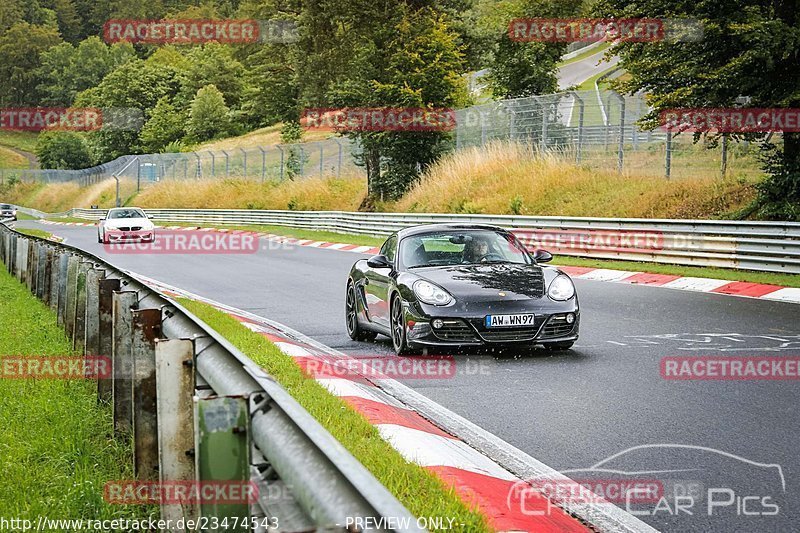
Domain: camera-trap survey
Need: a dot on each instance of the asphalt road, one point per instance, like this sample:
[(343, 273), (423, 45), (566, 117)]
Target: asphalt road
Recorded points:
[(580, 71), (574, 409)]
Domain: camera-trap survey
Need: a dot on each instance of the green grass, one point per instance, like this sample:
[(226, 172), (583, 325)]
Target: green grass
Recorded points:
[(588, 85), (24, 216), (11, 159), (416, 488), (56, 450), (35, 232), (22, 140)]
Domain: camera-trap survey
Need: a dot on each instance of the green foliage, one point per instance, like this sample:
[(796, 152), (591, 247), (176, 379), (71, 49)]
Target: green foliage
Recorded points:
[(63, 149), (525, 69), (67, 70), (164, 127), (516, 205), (749, 48), (20, 48), (208, 115)]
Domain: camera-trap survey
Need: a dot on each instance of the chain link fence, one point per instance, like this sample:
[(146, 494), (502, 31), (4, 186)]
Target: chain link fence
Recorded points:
[(599, 129), (332, 157)]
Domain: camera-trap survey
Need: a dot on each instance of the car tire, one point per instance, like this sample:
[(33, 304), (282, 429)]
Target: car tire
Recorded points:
[(354, 329), (398, 329), (559, 345)]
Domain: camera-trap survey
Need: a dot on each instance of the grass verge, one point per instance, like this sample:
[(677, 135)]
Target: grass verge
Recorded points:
[(56, 449), (35, 232), (416, 488)]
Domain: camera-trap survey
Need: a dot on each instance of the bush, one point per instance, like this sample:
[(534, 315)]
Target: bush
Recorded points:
[(63, 150), (208, 116)]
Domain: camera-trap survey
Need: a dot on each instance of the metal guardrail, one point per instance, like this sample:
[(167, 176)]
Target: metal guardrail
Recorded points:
[(764, 246), (176, 374)]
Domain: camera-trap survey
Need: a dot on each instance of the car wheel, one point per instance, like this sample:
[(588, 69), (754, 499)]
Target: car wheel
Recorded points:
[(98, 238), (559, 345), (398, 328), (356, 332)]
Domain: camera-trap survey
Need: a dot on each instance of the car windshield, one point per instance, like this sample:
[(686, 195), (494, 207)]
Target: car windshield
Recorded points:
[(5, 207), (461, 247), (126, 213)]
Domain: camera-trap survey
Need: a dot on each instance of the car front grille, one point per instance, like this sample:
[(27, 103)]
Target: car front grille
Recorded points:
[(510, 334), (455, 330), (557, 326)]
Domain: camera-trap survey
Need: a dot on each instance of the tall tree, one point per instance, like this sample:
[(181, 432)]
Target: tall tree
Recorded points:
[(20, 48), (750, 48), (67, 70)]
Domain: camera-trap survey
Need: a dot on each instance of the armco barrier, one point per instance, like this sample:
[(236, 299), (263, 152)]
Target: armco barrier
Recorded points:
[(766, 246), (197, 408)]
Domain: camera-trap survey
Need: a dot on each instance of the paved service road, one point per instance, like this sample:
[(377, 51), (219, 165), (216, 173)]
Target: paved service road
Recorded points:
[(580, 71), (574, 409)]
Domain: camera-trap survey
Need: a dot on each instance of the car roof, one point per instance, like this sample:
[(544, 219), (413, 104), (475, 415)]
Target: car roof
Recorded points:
[(432, 228)]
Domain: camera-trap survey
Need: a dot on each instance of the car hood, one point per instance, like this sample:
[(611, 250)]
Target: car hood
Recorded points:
[(128, 222), (486, 282)]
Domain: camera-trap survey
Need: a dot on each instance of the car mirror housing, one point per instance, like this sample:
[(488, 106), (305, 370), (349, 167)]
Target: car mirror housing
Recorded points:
[(379, 261), (542, 256)]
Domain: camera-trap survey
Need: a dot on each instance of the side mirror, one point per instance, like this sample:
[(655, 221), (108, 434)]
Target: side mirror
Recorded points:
[(149, 216), (379, 261), (542, 256)]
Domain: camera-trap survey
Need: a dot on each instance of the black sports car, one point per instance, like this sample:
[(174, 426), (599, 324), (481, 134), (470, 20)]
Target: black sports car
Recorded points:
[(450, 285)]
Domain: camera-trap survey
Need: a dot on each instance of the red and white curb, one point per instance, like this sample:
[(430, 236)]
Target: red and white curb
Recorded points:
[(420, 437), (708, 285)]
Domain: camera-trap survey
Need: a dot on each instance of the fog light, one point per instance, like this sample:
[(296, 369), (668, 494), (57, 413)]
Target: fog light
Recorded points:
[(437, 323), (570, 318)]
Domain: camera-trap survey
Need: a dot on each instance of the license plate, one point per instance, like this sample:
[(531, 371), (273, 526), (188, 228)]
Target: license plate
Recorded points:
[(502, 321)]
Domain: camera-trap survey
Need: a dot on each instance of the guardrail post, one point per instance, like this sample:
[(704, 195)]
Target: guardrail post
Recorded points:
[(30, 264), (146, 328), (174, 396), (52, 298), (41, 270), (123, 303), (222, 448), (106, 288), (92, 321), (61, 299), (22, 254), (79, 329), (71, 294)]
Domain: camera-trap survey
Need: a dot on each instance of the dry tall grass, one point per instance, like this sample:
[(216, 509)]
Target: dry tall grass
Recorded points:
[(498, 179), (330, 193), (58, 197), (507, 178)]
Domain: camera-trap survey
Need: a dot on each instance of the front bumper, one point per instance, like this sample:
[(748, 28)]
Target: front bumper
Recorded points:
[(469, 329), (131, 236)]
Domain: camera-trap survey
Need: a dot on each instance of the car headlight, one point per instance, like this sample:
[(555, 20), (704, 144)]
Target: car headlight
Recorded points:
[(431, 294), (561, 288)]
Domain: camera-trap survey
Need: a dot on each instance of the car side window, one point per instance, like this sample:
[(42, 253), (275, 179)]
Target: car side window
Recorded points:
[(389, 248)]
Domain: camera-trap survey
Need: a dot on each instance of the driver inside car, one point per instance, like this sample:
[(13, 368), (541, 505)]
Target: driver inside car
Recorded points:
[(476, 250)]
